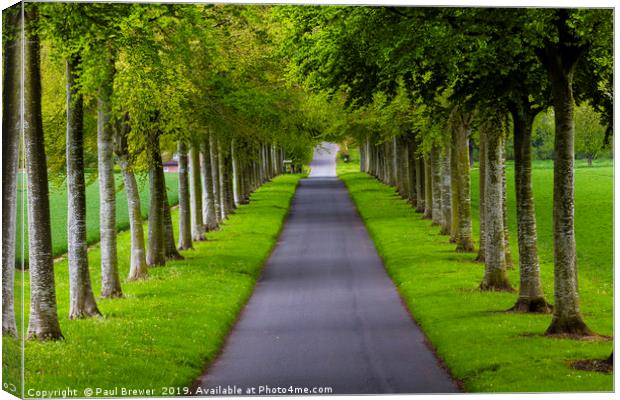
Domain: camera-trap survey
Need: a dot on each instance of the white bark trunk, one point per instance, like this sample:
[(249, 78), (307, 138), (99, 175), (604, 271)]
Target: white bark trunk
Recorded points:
[(110, 280), (82, 300)]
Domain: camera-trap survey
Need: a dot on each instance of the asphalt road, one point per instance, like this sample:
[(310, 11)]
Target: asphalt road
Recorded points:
[(325, 313)]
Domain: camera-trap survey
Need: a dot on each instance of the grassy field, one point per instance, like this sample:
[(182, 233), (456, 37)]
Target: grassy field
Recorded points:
[(486, 348), (167, 328), (58, 210)]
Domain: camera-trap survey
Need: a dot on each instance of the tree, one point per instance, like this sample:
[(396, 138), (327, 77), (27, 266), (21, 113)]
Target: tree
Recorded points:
[(446, 192), (460, 134), (170, 250), (574, 33), (138, 265), (155, 251), (64, 25), (589, 133), (185, 232), (482, 196), (436, 171), (43, 323), (110, 280), (208, 200), (495, 277), (215, 176), (82, 303), (11, 126), (195, 191), (531, 297)]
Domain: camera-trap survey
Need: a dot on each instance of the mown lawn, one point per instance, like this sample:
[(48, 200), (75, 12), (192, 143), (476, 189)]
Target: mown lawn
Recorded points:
[(58, 210), (486, 348), (167, 328)]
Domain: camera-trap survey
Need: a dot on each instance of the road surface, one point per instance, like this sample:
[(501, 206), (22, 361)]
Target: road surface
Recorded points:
[(325, 313)]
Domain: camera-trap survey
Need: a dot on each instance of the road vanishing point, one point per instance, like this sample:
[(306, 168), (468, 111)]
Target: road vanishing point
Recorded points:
[(325, 314)]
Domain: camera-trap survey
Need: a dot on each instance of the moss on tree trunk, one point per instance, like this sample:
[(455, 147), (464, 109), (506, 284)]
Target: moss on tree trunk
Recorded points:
[(531, 297), (428, 188), (567, 319), (495, 277), (155, 250)]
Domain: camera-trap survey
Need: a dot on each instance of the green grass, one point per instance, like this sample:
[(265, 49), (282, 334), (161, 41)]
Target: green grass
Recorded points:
[(58, 210), (167, 328), (486, 348)]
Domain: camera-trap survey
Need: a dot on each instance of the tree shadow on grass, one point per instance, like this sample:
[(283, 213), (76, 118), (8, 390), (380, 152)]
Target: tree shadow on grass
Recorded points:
[(602, 366), (589, 338)]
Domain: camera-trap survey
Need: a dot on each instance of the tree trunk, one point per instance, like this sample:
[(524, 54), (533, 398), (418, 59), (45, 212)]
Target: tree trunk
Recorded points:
[(394, 162), (482, 195), (382, 173), (215, 187), (383, 164), (464, 241), (221, 178), (454, 176), (398, 163), (402, 167), (363, 164), (254, 175), (229, 202), (243, 183), (269, 149), (235, 171), (368, 155), (185, 229), (419, 184), (446, 195), (11, 126), (198, 229), (495, 277), (567, 317), (82, 301), (261, 160), (507, 253), (531, 296), (437, 215), (170, 250), (137, 267), (412, 193), (110, 279), (428, 188), (43, 323), (377, 167), (155, 250), (379, 162), (208, 196)]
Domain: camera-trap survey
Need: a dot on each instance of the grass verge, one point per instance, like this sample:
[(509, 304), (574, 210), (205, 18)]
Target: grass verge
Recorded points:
[(166, 328), (486, 348)]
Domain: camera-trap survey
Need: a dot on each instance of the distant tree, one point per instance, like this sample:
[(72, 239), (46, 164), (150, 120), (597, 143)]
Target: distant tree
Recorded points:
[(542, 135), (589, 133)]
